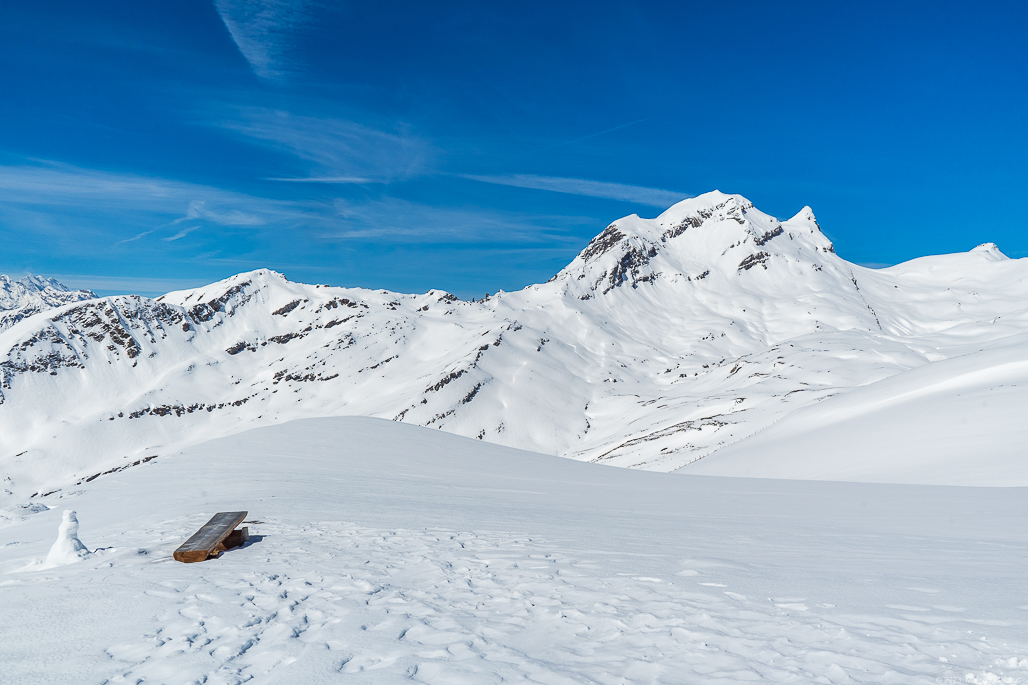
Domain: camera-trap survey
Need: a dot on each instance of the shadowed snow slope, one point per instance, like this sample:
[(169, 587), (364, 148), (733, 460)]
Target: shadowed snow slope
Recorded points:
[(388, 553), (663, 342)]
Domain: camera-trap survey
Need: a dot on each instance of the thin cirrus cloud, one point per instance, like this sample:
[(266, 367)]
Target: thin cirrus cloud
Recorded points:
[(340, 180), (110, 200), (401, 220), (336, 150), (199, 210), (114, 206), (263, 30), (652, 197), (181, 234), (138, 236)]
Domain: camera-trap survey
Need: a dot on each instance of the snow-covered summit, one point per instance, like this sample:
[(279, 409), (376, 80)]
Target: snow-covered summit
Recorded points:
[(714, 234), (20, 299), (991, 251)]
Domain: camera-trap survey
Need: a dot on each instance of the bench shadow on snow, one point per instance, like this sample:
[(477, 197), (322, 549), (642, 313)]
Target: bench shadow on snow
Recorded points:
[(253, 539)]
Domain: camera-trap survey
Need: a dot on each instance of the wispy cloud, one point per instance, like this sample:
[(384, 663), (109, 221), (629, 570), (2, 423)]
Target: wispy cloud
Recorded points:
[(181, 234), (119, 205), (52, 190), (357, 180), (138, 236), (263, 31), (653, 197), (198, 209), (340, 150), (396, 219)]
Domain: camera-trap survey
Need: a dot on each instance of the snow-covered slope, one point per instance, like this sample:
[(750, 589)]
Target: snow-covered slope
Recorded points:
[(388, 553), (664, 341), (34, 294), (956, 421)]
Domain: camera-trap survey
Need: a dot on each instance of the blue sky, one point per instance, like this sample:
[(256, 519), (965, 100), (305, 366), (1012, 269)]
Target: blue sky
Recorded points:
[(479, 146)]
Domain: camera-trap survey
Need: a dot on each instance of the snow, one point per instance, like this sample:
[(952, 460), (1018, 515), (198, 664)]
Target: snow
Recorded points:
[(382, 552), (680, 343), (957, 421)]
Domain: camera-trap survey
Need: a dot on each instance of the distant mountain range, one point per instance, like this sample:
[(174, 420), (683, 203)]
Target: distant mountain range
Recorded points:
[(665, 343), (33, 294)]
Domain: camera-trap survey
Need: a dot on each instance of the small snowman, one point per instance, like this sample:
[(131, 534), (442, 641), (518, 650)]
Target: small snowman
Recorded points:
[(68, 549)]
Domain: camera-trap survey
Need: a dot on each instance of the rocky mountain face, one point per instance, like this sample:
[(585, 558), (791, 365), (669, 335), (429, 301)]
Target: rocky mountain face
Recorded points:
[(663, 341), (34, 294)]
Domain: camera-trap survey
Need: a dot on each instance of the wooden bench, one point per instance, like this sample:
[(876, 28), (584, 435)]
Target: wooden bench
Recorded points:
[(216, 536)]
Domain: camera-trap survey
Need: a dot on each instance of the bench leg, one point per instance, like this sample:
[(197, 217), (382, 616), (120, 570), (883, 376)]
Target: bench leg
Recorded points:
[(237, 538)]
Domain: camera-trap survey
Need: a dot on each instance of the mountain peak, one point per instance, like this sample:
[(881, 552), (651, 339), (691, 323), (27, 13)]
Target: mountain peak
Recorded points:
[(991, 252), (713, 233), (705, 204), (806, 214)]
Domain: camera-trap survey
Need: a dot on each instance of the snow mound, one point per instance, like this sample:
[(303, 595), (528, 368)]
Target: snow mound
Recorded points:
[(68, 548)]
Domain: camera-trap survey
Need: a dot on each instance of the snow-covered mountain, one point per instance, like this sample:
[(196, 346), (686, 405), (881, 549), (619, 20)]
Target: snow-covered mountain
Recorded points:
[(34, 294), (662, 342)]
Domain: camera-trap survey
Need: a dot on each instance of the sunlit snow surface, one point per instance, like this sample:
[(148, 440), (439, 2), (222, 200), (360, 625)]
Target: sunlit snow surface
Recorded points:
[(386, 553)]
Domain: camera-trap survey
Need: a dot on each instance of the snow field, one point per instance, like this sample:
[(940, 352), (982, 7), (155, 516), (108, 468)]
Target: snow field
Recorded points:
[(390, 553), (443, 607)]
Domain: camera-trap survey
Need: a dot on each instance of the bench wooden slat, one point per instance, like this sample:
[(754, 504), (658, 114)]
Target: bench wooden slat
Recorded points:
[(204, 541)]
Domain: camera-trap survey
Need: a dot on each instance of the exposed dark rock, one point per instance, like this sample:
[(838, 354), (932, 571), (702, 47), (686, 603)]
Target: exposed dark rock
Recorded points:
[(753, 260), (453, 375), (627, 268), (471, 395), (610, 237), (285, 309), (386, 361), (769, 235)]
